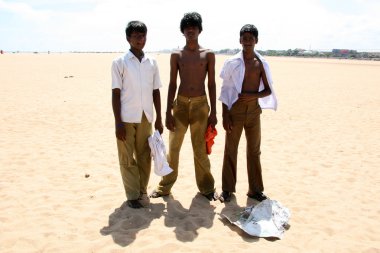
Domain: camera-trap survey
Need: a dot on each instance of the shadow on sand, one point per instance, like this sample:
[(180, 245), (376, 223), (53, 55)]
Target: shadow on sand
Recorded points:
[(125, 222), (186, 222)]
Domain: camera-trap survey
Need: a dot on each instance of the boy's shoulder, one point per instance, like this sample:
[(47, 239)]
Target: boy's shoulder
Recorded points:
[(126, 56), (207, 50), (234, 59), (119, 59), (151, 58), (178, 51), (261, 58)]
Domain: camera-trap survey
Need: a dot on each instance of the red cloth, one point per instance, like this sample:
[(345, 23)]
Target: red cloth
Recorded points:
[(209, 137)]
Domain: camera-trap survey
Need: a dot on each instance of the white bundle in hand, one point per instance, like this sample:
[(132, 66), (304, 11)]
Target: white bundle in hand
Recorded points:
[(158, 152)]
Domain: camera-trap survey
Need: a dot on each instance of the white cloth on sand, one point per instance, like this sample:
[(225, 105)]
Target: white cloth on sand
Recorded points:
[(158, 152), (266, 219)]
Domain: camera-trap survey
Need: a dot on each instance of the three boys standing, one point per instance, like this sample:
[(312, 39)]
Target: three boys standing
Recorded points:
[(135, 89)]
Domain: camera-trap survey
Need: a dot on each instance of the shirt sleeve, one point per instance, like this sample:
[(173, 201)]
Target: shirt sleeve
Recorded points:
[(224, 72), (228, 93), (156, 78), (117, 75)]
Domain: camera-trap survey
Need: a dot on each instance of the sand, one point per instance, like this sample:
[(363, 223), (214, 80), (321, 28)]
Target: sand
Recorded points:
[(61, 189)]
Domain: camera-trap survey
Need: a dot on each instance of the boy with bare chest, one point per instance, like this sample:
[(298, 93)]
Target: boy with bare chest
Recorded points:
[(245, 83), (192, 67), (190, 107)]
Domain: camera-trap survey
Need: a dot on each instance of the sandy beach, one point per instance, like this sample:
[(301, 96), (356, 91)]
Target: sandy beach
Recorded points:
[(61, 189)]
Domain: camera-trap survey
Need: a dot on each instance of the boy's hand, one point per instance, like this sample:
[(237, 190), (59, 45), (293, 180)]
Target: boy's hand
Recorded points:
[(169, 122), (212, 120), (120, 132), (227, 123), (158, 125)]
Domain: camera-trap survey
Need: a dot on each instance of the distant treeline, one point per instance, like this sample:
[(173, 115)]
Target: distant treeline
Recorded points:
[(335, 53)]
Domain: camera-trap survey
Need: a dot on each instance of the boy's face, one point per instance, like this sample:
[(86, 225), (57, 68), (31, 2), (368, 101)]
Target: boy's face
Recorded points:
[(137, 40), (248, 41), (191, 32)]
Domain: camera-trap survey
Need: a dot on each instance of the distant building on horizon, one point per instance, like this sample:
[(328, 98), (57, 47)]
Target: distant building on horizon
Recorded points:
[(343, 52)]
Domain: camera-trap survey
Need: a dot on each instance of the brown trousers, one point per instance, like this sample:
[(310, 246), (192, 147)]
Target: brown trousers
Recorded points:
[(134, 158), (247, 116), (191, 112)]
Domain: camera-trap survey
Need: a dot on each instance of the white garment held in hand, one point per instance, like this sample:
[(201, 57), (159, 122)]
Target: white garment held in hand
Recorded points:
[(158, 152)]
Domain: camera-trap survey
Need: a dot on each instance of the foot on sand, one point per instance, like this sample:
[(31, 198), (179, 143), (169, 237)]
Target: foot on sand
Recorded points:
[(211, 196), (259, 196), (134, 204), (156, 194), (225, 196), (144, 199)]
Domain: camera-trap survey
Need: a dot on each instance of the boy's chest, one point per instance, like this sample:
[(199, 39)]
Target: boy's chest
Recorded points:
[(192, 61)]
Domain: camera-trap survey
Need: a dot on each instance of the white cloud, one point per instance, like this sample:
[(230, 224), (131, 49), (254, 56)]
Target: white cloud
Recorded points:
[(98, 25), (24, 11)]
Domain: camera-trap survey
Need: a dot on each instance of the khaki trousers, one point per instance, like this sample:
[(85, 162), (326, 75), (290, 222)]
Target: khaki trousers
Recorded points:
[(193, 112), (244, 116), (134, 158)]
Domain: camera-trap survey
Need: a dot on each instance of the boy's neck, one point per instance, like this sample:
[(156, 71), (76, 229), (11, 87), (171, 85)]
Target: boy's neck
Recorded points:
[(138, 53), (248, 54), (192, 45)]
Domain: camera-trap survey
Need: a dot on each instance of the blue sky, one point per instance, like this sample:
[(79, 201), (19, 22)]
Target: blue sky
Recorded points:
[(98, 25)]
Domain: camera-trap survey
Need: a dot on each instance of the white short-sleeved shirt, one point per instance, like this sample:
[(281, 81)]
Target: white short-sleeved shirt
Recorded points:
[(136, 81)]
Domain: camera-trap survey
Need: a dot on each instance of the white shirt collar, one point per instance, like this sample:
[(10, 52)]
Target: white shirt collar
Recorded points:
[(130, 55)]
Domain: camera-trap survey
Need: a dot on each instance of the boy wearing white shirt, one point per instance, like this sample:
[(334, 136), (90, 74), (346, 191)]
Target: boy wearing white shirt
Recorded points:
[(135, 89), (245, 86)]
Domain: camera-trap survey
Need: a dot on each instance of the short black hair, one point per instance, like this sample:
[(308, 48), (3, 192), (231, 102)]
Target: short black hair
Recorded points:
[(249, 29), (191, 19), (135, 26)]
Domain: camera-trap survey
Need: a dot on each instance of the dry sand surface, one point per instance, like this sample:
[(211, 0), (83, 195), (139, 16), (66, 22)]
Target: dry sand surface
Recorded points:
[(320, 157)]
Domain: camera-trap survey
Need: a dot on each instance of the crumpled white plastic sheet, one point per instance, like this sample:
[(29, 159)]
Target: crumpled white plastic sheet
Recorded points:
[(158, 152), (267, 219)]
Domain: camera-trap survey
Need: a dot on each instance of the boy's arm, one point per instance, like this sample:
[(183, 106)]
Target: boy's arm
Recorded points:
[(169, 121), (258, 94), (116, 107), (157, 106), (212, 120), (227, 122), (266, 91)]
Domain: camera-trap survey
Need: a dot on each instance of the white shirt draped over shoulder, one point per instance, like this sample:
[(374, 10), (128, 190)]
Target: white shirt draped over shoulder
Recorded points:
[(232, 74), (136, 81)]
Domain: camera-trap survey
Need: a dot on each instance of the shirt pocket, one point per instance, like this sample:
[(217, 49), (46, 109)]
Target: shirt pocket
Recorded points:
[(147, 73)]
